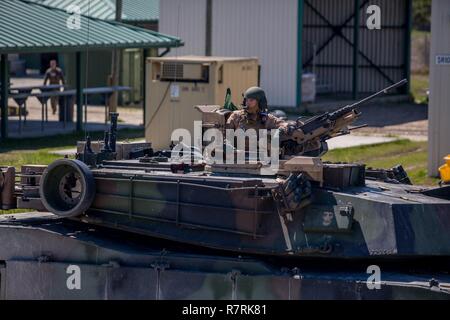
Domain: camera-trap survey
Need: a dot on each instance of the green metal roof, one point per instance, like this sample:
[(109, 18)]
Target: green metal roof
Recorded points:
[(140, 10), (30, 27), (132, 10)]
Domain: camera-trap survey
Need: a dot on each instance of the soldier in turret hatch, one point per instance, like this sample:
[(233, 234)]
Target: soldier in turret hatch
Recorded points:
[(254, 114)]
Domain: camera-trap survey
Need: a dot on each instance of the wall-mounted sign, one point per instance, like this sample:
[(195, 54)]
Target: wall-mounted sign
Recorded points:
[(443, 59)]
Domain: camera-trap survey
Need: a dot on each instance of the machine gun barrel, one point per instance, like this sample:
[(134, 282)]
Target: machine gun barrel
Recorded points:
[(385, 90), (320, 128), (338, 113)]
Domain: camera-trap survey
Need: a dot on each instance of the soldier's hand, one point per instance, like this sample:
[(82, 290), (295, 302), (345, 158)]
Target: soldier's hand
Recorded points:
[(295, 134)]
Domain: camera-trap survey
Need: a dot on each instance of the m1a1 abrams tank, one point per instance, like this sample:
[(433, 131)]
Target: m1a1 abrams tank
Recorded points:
[(308, 230)]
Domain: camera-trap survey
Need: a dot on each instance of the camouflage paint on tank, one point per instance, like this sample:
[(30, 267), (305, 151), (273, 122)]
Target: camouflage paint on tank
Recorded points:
[(239, 214), (37, 250)]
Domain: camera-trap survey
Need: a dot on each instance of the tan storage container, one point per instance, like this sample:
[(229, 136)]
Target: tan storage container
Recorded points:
[(175, 85)]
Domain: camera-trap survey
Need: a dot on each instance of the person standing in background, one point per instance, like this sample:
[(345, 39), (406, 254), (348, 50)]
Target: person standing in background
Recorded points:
[(54, 75)]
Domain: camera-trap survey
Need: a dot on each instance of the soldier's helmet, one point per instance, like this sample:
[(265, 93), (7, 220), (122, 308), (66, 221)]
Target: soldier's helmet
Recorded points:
[(258, 94)]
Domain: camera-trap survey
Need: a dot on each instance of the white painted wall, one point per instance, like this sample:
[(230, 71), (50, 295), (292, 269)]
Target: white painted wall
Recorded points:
[(266, 29), (439, 106), (185, 19)]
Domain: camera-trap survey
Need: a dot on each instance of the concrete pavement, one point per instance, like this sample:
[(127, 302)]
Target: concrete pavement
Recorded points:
[(351, 140)]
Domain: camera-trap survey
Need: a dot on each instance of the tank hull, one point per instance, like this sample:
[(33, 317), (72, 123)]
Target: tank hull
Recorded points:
[(240, 214), (39, 250)]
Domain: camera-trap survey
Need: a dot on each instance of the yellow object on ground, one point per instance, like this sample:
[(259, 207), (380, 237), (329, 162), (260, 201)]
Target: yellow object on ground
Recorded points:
[(444, 170)]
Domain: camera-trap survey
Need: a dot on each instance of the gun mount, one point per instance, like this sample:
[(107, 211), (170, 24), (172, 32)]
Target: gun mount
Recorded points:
[(309, 137)]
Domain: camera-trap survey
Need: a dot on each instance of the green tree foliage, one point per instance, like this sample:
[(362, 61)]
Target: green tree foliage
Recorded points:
[(421, 14)]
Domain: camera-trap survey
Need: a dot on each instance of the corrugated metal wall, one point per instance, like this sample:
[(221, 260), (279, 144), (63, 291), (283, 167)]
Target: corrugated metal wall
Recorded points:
[(439, 105), (328, 27), (185, 19), (268, 29), (265, 29)]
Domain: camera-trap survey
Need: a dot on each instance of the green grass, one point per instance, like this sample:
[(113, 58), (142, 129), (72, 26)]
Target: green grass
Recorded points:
[(17, 152), (14, 211), (419, 86), (62, 141), (19, 158), (412, 155)]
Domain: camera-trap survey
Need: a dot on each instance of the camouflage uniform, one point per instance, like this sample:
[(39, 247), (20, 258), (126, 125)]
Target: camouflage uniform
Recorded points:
[(241, 119)]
